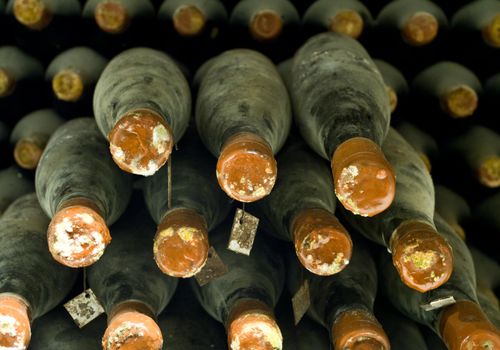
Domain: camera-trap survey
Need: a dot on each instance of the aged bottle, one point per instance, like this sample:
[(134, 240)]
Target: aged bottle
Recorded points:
[(421, 256), (343, 303), (114, 25), (31, 282), (72, 76), (301, 209), (57, 331), (461, 325), (142, 104), (349, 17), (198, 205), (342, 111), (395, 84), (31, 134), (243, 115), (244, 298), (129, 285), (82, 190), (186, 326), (424, 144), (452, 208), (21, 80), (13, 184), (486, 222)]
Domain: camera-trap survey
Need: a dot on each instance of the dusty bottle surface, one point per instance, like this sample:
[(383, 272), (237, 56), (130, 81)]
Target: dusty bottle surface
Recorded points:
[(425, 145), (13, 184), (396, 85)]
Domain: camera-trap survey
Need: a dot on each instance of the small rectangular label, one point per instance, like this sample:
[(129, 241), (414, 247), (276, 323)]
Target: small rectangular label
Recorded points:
[(438, 303), (301, 302), (243, 232), (213, 268), (84, 308)]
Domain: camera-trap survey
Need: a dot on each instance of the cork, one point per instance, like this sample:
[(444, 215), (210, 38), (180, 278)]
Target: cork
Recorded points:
[(347, 22), (266, 25), (491, 32), (489, 172), (189, 20), (111, 16), (67, 85), (420, 29), (460, 101), (15, 328), (33, 14)]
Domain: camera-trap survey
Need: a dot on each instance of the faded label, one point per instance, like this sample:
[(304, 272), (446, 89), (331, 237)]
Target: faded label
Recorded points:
[(84, 308), (301, 302), (243, 232), (213, 268), (438, 303)]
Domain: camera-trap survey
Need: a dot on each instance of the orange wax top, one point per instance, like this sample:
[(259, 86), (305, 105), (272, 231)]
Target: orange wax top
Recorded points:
[(464, 326), (489, 172), (420, 29), (358, 330), (460, 101), (252, 326), (322, 244), (246, 169), (7, 83), (33, 14), (141, 142), (266, 25), (189, 20), (15, 329), (77, 235), (111, 16), (364, 180), (130, 328), (348, 22), (423, 258), (393, 98), (181, 243), (28, 151), (491, 32), (68, 85)]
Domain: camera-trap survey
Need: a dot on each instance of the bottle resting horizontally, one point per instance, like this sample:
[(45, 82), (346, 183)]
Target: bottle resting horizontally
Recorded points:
[(13, 184)]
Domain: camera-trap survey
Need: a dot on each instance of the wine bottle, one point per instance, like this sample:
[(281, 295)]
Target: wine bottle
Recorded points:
[(114, 25), (31, 134), (421, 256), (243, 115), (82, 190), (486, 222), (403, 332), (72, 76), (462, 324), (21, 80), (342, 112), (244, 298), (45, 27), (271, 27), (433, 340), (452, 208), (31, 282), (198, 205), (57, 331), (5, 157), (186, 326), (449, 84), (491, 101), (142, 104), (301, 209), (349, 17), (129, 285), (424, 144), (343, 303), (13, 184), (395, 84), (488, 281)]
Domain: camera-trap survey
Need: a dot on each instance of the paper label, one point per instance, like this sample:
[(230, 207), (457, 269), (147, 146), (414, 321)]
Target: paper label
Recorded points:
[(243, 232), (84, 308), (301, 302), (438, 303)]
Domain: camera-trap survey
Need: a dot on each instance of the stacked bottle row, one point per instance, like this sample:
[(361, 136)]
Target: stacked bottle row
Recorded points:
[(400, 31)]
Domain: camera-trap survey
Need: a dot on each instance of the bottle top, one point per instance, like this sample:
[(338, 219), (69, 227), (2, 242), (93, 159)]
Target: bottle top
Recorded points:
[(7, 83), (67, 85), (266, 25), (131, 327), (77, 235), (34, 14), (189, 20), (15, 329), (423, 258), (420, 29), (28, 151), (489, 172), (112, 17), (246, 169), (364, 180), (252, 326), (393, 98), (141, 142), (348, 22), (322, 244), (181, 243), (358, 330), (460, 101), (491, 32), (464, 326)]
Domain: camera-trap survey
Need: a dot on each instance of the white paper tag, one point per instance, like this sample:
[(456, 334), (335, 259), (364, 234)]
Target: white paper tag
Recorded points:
[(438, 303), (84, 308), (214, 268), (301, 302), (243, 232)]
